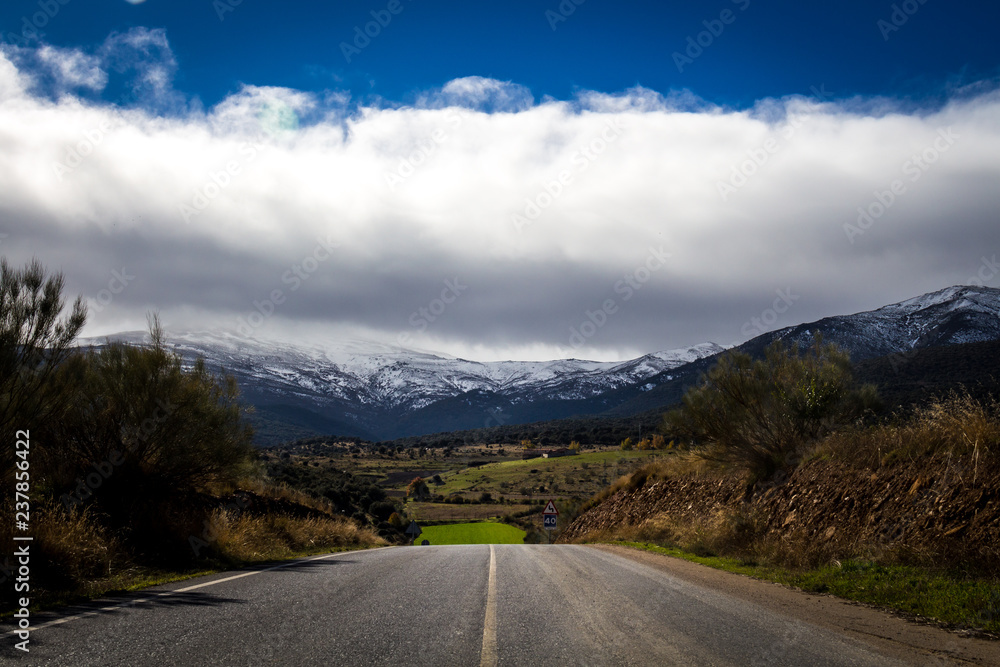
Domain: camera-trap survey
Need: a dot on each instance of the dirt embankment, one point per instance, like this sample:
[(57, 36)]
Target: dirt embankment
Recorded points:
[(941, 510)]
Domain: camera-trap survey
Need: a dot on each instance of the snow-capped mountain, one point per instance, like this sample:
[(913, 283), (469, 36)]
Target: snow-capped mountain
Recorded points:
[(960, 314), (383, 391), (366, 387), (950, 316)]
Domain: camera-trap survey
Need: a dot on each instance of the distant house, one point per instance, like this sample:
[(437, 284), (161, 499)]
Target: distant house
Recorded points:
[(553, 453), (545, 453)]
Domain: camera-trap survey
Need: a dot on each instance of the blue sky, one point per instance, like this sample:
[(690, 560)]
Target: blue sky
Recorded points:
[(490, 181), (768, 50)]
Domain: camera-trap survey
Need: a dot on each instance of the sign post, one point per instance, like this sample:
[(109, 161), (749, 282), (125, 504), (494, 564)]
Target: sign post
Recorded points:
[(550, 518), (413, 530)]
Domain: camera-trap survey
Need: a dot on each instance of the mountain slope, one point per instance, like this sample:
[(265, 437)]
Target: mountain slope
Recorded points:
[(946, 317), (378, 391)]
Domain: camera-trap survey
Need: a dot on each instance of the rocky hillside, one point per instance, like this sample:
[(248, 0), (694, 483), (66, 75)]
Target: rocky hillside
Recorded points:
[(940, 510)]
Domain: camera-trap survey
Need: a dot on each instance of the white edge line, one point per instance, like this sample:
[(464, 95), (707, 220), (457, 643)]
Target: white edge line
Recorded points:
[(131, 603)]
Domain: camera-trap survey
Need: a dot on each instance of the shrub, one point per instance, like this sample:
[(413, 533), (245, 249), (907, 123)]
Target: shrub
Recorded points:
[(259, 538), (35, 339), (755, 414), (69, 547), (161, 434), (957, 424), (418, 489)]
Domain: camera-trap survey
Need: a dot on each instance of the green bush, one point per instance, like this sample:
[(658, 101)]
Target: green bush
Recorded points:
[(756, 414), (35, 340), (156, 434)]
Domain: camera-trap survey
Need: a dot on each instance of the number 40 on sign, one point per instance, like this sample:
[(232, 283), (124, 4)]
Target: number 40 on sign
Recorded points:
[(550, 516)]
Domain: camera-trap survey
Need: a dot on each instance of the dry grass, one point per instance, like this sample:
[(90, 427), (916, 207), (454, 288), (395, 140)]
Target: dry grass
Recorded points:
[(956, 425), (733, 533), (74, 554), (269, 489), (259, 538), (740, 534), (678, 465), (68, 547)]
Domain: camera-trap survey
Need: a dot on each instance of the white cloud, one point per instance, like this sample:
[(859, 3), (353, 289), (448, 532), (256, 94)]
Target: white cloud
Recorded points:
[(74, 69), (477, 92), (270, 175)]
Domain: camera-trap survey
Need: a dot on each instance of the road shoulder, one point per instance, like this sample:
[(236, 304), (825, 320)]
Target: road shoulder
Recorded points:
[(884, 632)]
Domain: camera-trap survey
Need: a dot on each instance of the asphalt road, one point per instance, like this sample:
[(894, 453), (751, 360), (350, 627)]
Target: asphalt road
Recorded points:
[(447, 605)]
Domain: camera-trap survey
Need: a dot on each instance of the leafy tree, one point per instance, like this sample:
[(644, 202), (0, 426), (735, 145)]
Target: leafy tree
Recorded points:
[(418, 489), (382, 510), (659, 442), (626, 445), (755, 414), (35, 339), (574, 447), (170, 432)]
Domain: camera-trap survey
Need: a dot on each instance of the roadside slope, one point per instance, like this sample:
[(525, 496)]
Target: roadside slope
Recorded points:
[(942, 507)]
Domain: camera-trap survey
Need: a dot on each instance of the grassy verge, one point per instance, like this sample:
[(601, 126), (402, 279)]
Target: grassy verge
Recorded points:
[(473, 533), (945, 596)]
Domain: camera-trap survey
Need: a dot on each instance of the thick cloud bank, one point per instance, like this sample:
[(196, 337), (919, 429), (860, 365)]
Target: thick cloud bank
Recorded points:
[(482, 221)]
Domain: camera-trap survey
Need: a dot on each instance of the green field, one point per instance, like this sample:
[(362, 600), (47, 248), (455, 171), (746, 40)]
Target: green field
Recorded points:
[(472, 533), (581, 475)]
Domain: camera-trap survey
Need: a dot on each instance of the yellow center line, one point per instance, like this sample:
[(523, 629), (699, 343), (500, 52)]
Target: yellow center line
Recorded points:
[(488, 655)]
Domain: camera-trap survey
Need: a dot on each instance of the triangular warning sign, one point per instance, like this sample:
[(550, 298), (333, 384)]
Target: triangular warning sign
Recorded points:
[(550, 509)]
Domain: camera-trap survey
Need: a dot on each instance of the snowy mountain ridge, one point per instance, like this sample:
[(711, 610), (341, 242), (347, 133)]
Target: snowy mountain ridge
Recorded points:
[(376, 390)]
